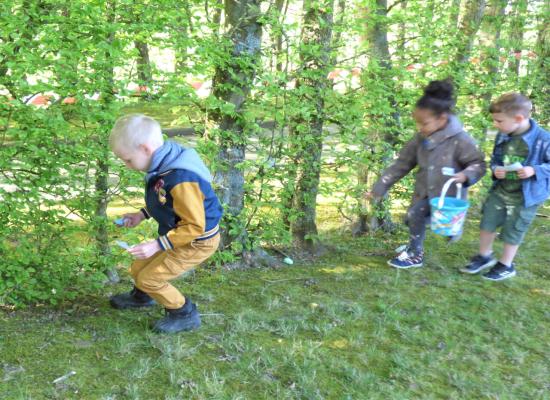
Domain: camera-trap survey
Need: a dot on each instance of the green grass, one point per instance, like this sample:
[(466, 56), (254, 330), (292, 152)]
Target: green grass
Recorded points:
[(343, 327)]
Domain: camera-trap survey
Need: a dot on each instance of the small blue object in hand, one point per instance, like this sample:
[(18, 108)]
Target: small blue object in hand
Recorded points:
[(120, 221)]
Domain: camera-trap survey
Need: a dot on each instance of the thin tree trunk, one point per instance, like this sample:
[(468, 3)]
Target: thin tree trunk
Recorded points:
[(102, 167), (495, 18), (465, 38), (216, 19), (540, 81), (182, 33), (145, 75), (455, 12), (469, 26), (102, 201), (517, 27), (402, 35), (380, 67), (340, 13), (307, 133), (232, 84), (277, 38)]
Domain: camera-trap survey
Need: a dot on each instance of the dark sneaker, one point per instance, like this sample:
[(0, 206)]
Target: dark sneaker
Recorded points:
[(500, 272), (407, 260), (478, 263), (182, 319), (134, 299)]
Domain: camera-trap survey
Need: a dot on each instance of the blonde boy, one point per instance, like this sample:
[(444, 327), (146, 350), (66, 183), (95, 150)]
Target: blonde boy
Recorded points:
[(179, 196), (521, 181)]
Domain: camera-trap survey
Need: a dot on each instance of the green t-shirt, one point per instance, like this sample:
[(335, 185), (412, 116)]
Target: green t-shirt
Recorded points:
[(510, 188)]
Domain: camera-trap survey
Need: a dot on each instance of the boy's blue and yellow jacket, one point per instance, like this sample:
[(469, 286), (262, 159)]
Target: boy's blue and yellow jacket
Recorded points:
[(179, 196)]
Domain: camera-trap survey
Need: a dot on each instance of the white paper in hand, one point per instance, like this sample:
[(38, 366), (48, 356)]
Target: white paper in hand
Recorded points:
[(122, 244), (448, 171), (512, 167)]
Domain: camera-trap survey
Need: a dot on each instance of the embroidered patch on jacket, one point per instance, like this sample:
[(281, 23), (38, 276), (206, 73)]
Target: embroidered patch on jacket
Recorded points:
[(161, 191), (162, 196)]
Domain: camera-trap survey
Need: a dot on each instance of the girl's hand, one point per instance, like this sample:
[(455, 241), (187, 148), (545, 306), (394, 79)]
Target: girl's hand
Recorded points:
[(460, 177), (499, 173), (525, 172), (133, 219), (145, 250)]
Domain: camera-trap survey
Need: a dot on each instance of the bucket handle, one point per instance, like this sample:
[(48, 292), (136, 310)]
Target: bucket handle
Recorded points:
[(446, 187)]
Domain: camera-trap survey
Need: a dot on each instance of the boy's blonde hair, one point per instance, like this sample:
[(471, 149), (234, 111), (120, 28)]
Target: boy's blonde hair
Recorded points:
[(134, 129), (512, 104)]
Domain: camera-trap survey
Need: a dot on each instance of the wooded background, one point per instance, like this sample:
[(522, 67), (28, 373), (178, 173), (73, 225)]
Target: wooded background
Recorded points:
[(288, 101)]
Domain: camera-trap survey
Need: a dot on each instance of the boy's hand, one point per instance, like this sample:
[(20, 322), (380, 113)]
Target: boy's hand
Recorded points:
[(460, 177), (499, 173), (133, 219), (145, 250), (525, 172)]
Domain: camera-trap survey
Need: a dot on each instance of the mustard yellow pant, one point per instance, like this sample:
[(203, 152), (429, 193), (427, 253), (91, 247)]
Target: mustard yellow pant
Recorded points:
[(152, 274)]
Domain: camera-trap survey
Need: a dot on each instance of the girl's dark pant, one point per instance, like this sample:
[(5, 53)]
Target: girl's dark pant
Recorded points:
[(418, 216)]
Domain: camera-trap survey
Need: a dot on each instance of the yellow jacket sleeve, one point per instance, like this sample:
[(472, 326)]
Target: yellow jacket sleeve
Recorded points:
[(188, 203)]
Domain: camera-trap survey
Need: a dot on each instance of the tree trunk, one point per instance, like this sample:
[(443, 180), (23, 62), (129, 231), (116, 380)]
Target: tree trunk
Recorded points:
[(307, 132), (494, 20), (232, 84), (402, 36), (516, 35), (216, 19), (101, 232), (181, 33), (145, 75), (380, 68), (540, 78), (340, 13), (455, 13), (106, 86), (277, 38), (465, 38), (469, 25)]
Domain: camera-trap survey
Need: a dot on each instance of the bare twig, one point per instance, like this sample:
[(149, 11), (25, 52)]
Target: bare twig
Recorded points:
[(394, 4), (66, 376), (286, 280)]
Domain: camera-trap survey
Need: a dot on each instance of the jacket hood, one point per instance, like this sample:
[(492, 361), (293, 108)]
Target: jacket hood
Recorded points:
[(173, 156), (453, 127)]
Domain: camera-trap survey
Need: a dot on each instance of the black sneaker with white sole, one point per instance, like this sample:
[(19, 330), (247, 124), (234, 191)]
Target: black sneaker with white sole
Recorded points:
[(500, 272), (478, 263), (406, 259)]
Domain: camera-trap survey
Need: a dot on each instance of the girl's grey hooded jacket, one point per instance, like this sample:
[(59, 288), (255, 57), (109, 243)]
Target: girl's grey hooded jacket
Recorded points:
[(450, 148)]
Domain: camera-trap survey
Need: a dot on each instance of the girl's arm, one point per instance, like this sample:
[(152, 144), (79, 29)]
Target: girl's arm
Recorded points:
[(404, 163), (472, 161)]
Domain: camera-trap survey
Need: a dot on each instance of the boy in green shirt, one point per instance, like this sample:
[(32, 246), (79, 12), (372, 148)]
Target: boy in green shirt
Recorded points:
[(521, 183)]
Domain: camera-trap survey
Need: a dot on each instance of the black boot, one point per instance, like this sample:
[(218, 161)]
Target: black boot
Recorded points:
[(135, 299), (181, 319)]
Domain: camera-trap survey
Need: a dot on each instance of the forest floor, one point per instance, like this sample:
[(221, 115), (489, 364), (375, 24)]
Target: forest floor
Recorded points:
[(344, 326)]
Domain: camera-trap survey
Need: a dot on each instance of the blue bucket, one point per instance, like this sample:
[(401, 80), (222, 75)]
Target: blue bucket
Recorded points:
[(448, 213)]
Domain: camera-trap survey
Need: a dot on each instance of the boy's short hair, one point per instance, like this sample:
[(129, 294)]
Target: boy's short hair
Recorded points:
[(512, 104), (134, 129)]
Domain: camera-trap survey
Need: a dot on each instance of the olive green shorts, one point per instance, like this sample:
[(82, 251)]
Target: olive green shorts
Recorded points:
[(513, 218)]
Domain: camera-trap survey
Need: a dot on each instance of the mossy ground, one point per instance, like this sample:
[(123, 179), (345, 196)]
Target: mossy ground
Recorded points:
[(345, 326)]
